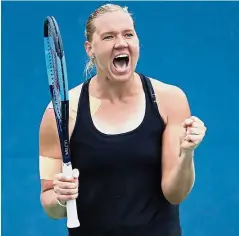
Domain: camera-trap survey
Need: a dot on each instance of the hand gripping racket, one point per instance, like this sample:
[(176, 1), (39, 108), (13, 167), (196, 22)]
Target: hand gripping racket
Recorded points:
[(58, 84)]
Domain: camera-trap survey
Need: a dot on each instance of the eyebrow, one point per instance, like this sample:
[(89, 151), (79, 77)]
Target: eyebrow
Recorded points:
[(108, 32), (115, 32)]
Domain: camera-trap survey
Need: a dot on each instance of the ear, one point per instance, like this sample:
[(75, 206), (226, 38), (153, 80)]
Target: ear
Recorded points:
[(88, 49)]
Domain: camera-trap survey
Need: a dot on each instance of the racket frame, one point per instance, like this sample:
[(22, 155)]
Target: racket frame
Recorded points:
[(57, 71)]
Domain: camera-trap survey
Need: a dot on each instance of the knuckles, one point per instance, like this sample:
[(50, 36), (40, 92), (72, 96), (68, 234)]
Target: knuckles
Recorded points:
[(65, 189)]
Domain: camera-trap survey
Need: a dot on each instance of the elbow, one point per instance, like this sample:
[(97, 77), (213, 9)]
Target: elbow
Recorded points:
[(51, 212), (50, 208), (175, 199), (175, 196), (46, 207)]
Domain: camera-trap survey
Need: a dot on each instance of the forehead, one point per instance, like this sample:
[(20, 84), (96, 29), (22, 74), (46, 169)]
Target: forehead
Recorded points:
[(113, 21)]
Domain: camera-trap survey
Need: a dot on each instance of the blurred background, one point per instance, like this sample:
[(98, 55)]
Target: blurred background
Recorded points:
[(194, 45)]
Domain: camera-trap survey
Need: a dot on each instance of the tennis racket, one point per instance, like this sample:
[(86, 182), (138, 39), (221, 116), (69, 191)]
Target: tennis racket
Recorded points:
[(58, 84)]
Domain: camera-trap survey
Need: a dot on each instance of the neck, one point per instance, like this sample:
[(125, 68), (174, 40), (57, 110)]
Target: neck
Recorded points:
[(115, 90)]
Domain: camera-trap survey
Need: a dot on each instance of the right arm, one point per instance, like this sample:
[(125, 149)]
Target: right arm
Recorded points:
[(50, 164), (54, 186)]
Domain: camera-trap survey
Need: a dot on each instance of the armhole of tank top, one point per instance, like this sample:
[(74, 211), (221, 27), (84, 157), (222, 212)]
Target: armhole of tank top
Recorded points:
[(93, 103), (154, 99)]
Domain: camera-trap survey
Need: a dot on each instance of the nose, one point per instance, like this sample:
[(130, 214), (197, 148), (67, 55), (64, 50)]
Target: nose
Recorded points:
[(120, 43)]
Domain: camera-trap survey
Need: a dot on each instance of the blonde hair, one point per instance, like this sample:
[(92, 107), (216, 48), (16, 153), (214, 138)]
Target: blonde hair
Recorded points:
[(90, 28)]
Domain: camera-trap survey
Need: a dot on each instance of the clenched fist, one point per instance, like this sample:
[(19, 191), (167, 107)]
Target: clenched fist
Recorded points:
[(194, 132), (66, 188)]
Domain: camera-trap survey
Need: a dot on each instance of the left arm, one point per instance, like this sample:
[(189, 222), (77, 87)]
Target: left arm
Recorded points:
[(182, 135)]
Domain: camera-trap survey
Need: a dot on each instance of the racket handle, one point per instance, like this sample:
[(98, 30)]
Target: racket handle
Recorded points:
[(72, 218), (71, 209)]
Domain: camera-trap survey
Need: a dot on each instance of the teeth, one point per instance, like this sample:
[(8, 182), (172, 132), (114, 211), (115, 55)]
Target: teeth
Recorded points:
[(122, 55)]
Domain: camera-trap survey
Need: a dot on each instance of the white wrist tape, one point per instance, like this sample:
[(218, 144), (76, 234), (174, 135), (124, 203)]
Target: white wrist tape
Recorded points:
[(49, 167)]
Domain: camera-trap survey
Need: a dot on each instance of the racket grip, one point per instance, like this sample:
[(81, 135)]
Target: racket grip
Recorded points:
[(72, 218), (71, 209)]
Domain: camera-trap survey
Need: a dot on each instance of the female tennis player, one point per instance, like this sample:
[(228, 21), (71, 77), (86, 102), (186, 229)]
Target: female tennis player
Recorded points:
[(132, 141)]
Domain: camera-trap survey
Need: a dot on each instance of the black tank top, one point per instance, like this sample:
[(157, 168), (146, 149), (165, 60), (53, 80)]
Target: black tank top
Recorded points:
[(120, 176)]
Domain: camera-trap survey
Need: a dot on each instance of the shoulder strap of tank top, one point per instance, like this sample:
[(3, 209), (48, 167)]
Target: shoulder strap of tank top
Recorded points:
[(146, 82), (150, 91)]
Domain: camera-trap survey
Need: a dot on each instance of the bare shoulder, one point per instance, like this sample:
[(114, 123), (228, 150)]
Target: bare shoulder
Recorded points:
[(171, 98), (74, 95), (76, 90), (48, 128), (168, 90)]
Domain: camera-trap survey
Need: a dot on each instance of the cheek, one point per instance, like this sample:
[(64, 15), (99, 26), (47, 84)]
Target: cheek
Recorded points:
[(134, 49), (103, 57), (103, 52), (134, 45)]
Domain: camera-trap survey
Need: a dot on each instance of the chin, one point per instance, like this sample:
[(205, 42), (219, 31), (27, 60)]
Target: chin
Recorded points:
[(121, 78)]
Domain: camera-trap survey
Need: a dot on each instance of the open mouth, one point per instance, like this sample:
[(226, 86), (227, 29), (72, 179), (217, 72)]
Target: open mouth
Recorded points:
[(121, 61)]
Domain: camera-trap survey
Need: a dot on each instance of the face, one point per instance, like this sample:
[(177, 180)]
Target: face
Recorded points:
[(115, 46)]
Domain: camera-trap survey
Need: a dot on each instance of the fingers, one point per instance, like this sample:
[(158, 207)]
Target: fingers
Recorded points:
[(65, 194), (195, 131), (63, 178), (196, 139), (66, 198), (65, 191), (66, 187), (187, 122), (196, 119), (193, 121), (197, 124)]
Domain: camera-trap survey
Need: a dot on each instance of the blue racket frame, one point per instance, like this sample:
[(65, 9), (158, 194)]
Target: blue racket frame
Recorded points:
[(58, 82)]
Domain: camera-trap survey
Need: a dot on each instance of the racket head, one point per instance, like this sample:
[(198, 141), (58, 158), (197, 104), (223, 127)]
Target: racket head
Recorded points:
[(57, 80)]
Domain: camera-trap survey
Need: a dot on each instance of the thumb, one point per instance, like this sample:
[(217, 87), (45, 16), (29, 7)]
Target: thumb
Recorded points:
[(187, 123), (75, 173)]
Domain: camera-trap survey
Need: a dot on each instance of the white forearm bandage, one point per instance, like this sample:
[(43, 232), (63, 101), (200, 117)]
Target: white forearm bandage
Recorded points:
[(49, 167)]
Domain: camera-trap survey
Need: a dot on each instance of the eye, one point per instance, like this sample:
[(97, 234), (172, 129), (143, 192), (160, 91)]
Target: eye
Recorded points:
[(108, 37), (129, 35)]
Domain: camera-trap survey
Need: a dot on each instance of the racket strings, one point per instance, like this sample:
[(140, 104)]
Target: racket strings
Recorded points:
[(52, 59)]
